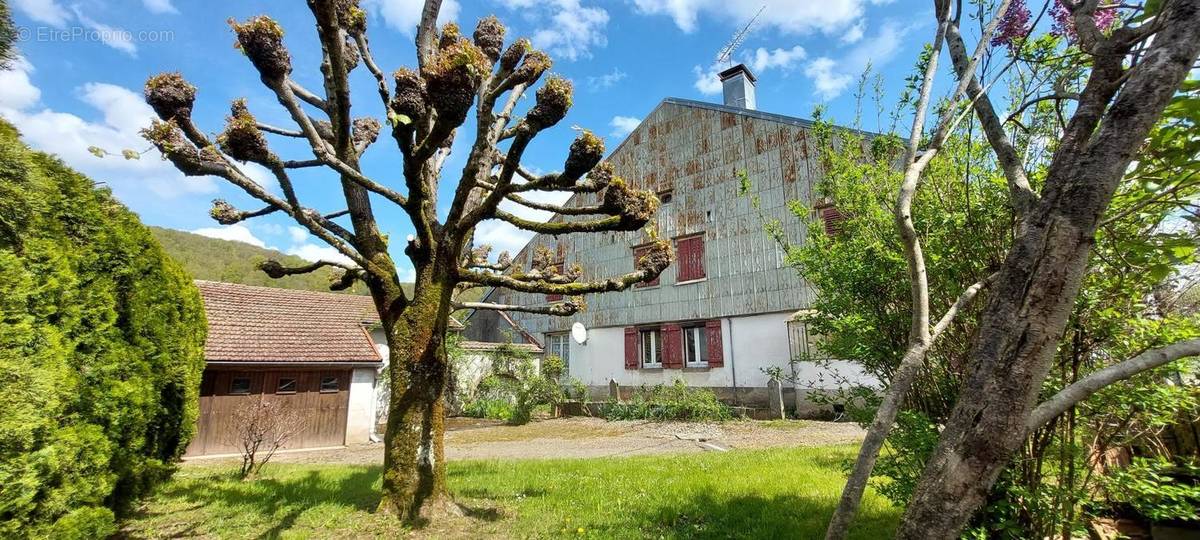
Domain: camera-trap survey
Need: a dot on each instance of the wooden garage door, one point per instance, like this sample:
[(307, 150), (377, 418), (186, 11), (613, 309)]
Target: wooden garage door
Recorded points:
[(320, 396)]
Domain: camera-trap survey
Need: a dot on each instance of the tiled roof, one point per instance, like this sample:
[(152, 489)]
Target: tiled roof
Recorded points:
[(267, 324)]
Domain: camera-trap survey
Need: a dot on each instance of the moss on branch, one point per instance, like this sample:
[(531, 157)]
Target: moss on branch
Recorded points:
[(261, 38), (170, 95)]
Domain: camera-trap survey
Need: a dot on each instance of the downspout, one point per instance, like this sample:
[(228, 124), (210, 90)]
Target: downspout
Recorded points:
[(737, 400)]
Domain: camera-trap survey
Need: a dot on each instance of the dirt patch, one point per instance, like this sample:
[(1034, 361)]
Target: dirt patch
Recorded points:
[(581, 437)]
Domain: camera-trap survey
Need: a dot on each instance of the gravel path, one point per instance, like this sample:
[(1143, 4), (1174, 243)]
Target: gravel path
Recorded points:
[(580, 437)]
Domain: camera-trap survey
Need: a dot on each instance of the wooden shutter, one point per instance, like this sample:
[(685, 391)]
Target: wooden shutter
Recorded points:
[(556, 269), (638, 253), (716, 353), (832, 218), (631, 348), (691, 258), (672, 346)]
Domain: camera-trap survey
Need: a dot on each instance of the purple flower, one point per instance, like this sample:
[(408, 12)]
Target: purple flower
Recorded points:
[(1064, 23), (1013, 27)]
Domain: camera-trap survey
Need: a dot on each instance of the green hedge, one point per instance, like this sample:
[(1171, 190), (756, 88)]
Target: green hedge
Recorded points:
[(101, 350)]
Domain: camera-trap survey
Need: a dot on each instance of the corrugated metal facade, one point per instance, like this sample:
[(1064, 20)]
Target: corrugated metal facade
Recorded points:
[(694, 151)]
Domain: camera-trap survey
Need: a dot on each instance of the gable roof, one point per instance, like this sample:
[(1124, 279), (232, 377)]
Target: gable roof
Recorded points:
[(272, 325)]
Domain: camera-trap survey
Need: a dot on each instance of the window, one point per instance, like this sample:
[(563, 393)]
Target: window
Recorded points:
[(560, 345), (695, 347), (556, 269), (329, 384), (831, 217), (287, 385), (651, 347), (691, 258), (638, 253), (665, 196), (239, 385)]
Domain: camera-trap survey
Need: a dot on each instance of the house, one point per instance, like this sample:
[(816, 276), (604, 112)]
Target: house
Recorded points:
[(320, 353), (312, 350), (728, 311)]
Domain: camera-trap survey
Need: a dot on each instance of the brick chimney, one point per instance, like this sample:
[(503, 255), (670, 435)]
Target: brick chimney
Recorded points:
[(738, 85)]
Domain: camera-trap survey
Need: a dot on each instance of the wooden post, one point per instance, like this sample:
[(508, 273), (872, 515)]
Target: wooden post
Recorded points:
[(775, 396)]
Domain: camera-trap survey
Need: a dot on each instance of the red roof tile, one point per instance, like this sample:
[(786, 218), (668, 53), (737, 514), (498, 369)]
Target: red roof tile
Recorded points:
[(266, 324)]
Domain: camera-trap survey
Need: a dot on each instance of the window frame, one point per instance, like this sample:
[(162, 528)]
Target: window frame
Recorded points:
[(249, 385), (698, 332), (644, 248), (681, 266), (656, 344), (556, 268), (559, 344), (337, 384), (279, 385)]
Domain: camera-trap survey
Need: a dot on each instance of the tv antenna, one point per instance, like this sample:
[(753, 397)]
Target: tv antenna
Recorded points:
[(726, 54)]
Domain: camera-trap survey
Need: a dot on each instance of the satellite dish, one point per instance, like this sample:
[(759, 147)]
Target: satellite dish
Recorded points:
[(579, 333)]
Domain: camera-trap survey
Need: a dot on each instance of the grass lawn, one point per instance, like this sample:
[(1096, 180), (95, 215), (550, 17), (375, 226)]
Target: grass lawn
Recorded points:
[(740, 494)]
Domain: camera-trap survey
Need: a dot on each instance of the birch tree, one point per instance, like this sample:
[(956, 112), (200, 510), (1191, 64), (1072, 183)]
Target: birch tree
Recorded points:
[(424, 110), (1136, 68)]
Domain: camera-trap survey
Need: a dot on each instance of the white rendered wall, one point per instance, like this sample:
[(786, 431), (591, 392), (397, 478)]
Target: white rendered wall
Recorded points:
[(751, 344), (360, 414)]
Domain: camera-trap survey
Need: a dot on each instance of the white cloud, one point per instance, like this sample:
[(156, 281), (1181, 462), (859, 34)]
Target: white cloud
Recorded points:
[(759, 60), (831, 77), (112, 36), (566, 29), (69, 136), (44, 11), (16, 92), (314, 252), (706, 80), (237, 233), (606, 81), (624, 125), (854, 33), (827, 79), (789, 16), (405, 15), (783, 59), (160, 7), (504, 237), (298, 234)]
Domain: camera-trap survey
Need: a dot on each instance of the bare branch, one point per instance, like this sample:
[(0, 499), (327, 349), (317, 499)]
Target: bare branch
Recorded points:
[(1085, 387), (560, 309)]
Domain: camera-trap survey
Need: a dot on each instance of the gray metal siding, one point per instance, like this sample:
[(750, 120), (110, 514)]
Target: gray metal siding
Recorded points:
[(696, 150)]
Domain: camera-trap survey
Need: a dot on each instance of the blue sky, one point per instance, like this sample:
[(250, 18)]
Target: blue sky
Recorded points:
[(85, 61)]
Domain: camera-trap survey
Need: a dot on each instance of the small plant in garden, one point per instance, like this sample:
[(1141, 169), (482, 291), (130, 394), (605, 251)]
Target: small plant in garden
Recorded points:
[(1157, 489), (674, 402), (516, 386), (262, 427)]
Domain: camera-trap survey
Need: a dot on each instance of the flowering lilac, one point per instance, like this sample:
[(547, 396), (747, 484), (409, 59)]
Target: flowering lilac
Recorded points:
[(1013, 27), (1064, 24)]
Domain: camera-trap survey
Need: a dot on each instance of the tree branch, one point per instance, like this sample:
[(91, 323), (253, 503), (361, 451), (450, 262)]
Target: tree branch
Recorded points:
[(560, 309), (1085, 387)]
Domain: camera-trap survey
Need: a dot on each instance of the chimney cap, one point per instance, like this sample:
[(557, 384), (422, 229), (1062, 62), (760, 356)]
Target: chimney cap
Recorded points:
[(734, 71)]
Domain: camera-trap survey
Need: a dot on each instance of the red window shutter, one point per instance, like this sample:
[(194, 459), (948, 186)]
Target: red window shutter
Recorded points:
[(716, 353), (672, 346), (631, 348), (832, 218), (691, 258), (558, 269), (638, 253)]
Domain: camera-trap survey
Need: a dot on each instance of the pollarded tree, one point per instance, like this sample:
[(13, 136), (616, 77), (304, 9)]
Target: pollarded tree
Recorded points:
[(425, 108)]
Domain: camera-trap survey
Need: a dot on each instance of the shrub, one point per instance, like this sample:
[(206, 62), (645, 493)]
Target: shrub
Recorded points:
[(516, 387), (1157, 489), (675, 402), (100, 352)]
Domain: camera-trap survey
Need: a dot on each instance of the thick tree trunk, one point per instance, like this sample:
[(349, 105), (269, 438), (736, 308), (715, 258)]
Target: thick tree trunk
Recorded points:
[(1036, 288), (414, 467)]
